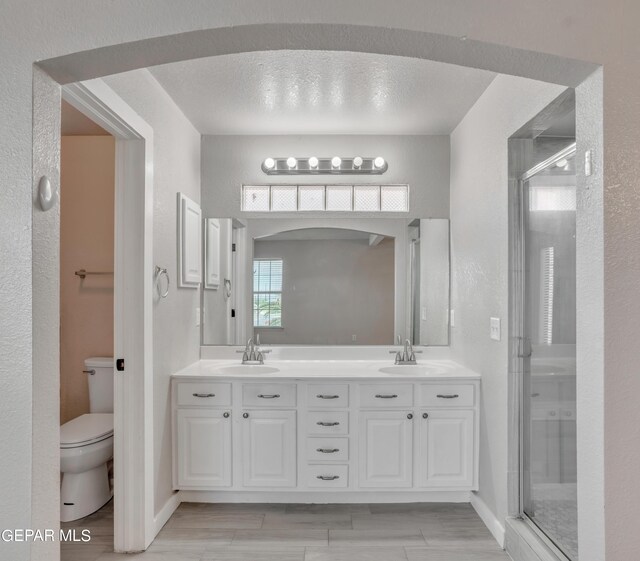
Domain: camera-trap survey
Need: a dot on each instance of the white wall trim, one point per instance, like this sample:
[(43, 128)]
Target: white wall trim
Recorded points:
[(134, 525), (173, 502), (489, 519)]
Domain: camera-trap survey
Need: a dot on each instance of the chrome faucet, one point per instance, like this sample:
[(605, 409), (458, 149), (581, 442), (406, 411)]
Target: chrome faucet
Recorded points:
[(407, 355), (252, 353)]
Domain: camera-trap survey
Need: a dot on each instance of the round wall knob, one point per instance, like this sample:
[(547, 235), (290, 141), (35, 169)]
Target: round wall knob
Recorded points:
[(245, 415), (425, 415), (410, 416), (226, 414)]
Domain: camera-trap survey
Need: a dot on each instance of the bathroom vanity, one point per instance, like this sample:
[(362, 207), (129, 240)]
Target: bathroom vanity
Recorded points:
[(325, 431)]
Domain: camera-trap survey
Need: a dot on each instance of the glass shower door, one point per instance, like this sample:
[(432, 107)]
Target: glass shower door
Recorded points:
[(549, 497)]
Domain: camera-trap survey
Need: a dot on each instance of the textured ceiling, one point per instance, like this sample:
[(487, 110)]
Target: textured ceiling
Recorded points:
[(319, 92)]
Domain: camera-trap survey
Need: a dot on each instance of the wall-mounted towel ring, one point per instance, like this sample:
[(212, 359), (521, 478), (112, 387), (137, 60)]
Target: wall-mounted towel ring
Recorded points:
[(159, 273), (227, 289)]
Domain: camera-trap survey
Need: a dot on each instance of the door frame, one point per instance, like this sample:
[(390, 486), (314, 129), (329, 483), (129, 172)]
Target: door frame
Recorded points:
[(134, 524), (520, 345)]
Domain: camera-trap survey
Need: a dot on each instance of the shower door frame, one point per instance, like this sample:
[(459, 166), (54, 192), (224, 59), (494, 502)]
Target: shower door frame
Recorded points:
[(520, 345)]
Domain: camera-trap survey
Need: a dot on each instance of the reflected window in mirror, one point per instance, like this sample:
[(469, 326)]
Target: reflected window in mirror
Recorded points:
[(267, 292)]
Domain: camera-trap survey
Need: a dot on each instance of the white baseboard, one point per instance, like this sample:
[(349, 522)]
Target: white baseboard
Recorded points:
[(323, 497), (165, 513), (490, 520)]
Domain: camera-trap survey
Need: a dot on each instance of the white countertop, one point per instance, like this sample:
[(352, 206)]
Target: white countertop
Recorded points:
[(429, 369)]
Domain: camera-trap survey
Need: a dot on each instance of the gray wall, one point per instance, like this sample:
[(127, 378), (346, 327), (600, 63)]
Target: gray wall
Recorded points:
[(479, 268), (176, 338), (421, 161), (333, 290)]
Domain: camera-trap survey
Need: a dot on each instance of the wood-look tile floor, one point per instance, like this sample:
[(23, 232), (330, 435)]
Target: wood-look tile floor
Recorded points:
[(297, 532)]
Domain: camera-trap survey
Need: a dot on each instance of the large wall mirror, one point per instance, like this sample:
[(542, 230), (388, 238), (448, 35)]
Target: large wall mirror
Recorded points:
[(319, 281)]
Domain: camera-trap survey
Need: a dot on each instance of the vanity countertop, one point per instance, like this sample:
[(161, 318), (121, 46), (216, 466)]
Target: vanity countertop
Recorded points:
[(429, 369)]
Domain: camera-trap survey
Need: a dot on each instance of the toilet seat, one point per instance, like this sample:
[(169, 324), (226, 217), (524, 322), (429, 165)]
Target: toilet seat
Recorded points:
[(86, 429)]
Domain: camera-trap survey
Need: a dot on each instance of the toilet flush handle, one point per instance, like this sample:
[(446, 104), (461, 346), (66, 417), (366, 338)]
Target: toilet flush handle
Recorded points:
[(92, 372)]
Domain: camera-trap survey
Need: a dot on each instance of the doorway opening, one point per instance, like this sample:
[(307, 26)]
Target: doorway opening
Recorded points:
[(87, 226)]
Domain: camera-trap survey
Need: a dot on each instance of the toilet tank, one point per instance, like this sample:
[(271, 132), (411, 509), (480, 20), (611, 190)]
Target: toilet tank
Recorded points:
[(100, 375)]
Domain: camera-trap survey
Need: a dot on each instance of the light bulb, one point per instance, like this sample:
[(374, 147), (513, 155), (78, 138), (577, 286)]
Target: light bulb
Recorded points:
[(562, 163), (292, 162), (269, 163), (357, 162), (313, 162), (336, 161), (379, 162)]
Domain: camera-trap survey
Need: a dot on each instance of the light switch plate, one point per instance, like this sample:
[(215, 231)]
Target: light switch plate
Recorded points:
[(494, 329), (197, 317)]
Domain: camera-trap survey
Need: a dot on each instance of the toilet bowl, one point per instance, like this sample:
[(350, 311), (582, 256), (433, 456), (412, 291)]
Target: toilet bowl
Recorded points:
[(86, 446)]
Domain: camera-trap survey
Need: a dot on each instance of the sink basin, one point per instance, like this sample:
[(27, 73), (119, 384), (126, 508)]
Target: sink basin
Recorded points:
[(248, 369)]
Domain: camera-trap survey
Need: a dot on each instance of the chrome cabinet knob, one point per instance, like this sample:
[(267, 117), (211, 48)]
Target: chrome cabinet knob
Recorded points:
[(226, 414), (425, 415), (245, 415), (410, 416)]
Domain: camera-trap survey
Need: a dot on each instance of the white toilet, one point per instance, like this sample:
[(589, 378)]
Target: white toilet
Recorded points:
[(86, 445)]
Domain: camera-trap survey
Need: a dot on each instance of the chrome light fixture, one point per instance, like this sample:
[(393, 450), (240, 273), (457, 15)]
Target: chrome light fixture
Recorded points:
[(335, 165)]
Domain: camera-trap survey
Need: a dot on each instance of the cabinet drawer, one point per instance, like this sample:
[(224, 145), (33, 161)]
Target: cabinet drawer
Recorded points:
[(269, 395), (327, 476), (447, 395), (328, 395), (319, 449), (386, 395), (204, 393), (327, 422)]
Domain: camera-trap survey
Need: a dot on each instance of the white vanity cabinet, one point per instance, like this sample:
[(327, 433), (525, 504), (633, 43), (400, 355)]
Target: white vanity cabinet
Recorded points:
[(269, 448), (251, 439), (446, 440), (203, 447), (446, 448), (386, 449)]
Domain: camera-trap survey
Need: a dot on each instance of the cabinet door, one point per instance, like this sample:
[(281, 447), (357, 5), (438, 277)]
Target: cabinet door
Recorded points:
[(204, 448), (386, 449), (269, 448), (445, 448)]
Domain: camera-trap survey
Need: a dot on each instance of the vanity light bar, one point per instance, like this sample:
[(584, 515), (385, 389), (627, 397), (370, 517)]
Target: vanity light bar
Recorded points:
[(322, 166)]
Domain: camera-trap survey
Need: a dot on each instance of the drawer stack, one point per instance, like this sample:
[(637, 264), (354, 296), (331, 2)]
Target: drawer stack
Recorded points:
[(327, 435)]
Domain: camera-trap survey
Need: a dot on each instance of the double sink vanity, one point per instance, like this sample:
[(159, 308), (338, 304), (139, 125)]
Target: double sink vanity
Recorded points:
[(326, 415), (323, 430)]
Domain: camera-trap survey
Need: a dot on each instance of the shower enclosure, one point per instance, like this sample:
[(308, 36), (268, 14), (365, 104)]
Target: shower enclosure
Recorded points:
[(546, 354)]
